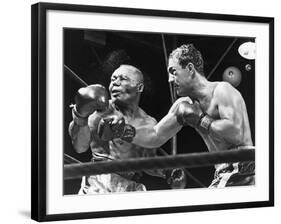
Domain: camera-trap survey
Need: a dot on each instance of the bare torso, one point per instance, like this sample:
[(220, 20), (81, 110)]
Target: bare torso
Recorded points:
[(211, 107), (118, 148)]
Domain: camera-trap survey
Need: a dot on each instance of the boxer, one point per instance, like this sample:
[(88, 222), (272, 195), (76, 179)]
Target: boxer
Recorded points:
[(216, 110), (106, 125)]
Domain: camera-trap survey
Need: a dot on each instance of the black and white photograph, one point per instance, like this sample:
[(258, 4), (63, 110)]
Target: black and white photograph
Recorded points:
[(139, 112), (132, 95)]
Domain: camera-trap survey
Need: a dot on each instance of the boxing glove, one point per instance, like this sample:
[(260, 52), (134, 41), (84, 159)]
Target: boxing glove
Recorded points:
[(90, 99), (176, 178), (191, 114), (108, 131)]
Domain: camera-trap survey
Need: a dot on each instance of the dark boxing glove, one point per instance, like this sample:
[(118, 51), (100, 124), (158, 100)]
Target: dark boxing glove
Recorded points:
[(90, 99), (108, 131), (176, 178), (192, 115)]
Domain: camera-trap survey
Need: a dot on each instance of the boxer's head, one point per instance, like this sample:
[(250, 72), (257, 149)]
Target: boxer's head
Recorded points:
[(184, 63), (126, 84)]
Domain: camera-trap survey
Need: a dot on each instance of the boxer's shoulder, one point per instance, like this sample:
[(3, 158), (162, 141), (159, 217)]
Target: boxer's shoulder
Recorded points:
[(223, 88), (225, 92)]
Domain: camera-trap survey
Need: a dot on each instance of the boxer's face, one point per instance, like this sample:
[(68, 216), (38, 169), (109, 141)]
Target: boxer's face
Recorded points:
[(124, 85), (181, 77)]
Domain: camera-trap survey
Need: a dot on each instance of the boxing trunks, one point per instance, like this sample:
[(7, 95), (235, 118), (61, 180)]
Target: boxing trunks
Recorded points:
[(109, 183), (234, 174)]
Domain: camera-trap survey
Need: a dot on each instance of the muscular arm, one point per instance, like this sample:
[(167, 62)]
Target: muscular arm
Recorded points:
[(88, 100), (229, 127), (152, 135), (80, 136)]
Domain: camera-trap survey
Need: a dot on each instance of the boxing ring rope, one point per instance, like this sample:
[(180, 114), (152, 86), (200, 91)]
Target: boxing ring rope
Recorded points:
[(190, 160), (70, 171), (71, 73), (69, 159), (173, 99), (221, 58), (75, 76), (171, 87), (172, 94)]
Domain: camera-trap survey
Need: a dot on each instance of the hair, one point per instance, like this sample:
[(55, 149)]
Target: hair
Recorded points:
[(188, 53)]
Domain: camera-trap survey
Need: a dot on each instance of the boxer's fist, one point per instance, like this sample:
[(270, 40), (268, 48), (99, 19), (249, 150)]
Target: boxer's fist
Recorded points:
[(176, 178), (110, 128), (90, 99), (192, 115), (189, 113)]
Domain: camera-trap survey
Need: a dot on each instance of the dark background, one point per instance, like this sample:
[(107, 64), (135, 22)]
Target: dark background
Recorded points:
[(93, 55)]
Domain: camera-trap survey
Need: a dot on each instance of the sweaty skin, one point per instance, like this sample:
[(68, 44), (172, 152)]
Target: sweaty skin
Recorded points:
[(125, 89), (231, 125), (85, 137), (226, 125), (219, 99)]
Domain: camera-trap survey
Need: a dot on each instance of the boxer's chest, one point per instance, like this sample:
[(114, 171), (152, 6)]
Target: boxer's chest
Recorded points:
[(123, 150), (118, 148), (211, 108)]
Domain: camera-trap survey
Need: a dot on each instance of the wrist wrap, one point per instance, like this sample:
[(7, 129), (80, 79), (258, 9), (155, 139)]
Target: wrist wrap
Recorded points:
[(205, 122), (129, 133)]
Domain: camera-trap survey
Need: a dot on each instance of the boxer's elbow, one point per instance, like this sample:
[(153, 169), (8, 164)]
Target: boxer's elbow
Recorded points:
[(157, 140), (81, 143), (236, 131), (150, 141), (237, 135), (80, 137), (161, 136), (228, 131), (147, 137), (80, 148)]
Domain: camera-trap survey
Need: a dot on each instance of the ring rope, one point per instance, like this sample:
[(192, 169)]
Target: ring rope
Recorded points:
[(75, 76), (190, 160), (70, 160), (221, 58)]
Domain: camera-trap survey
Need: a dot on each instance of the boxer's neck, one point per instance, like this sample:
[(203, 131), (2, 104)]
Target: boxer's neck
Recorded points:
[(202, 88), (128, 110)]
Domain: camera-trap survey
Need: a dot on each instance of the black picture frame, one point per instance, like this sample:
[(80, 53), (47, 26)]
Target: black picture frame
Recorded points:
[(39, 109)]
